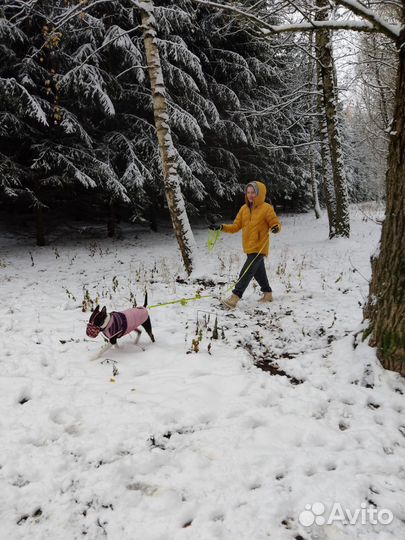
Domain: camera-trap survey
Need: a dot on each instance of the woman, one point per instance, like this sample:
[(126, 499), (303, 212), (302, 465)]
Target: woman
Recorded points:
[(255, 218)]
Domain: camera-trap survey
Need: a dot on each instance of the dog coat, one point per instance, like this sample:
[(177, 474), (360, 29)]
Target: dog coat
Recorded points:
[(123, 322)]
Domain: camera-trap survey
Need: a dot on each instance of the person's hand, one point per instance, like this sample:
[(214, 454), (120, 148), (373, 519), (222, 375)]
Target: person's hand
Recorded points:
[(275, 229), (215, 227)]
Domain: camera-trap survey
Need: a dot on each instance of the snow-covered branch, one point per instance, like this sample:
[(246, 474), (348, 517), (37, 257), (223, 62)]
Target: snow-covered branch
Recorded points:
[(373, 22), (115, 38), (383, 26)]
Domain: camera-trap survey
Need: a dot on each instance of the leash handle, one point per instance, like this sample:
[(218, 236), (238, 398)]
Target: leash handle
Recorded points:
[(213, 237)]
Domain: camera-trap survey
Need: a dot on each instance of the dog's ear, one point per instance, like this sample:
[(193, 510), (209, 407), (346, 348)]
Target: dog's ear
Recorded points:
[(93, 315), (103, 312)]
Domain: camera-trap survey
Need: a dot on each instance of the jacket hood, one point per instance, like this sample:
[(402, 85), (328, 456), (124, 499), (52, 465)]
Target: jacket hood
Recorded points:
[(261, 191)]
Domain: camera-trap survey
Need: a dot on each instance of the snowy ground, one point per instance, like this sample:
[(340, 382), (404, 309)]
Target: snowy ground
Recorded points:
[(184, 445)]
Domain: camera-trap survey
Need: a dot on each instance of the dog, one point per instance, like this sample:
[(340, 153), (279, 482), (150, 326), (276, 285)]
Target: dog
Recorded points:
[(117, 324)]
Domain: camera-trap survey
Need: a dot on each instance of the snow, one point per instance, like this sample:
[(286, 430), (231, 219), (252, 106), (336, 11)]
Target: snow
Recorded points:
[(186, 445), (305, 26)]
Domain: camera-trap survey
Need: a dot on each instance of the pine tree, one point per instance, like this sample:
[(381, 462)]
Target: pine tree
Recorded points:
[(83, 117), (50, 148)]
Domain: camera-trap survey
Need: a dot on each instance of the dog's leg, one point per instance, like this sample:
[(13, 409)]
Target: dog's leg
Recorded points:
[(138, 335), (148, 327), (106, 347), (136, 340)]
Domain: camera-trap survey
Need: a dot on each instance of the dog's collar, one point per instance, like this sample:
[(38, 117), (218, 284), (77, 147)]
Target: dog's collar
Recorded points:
[(106, 322)]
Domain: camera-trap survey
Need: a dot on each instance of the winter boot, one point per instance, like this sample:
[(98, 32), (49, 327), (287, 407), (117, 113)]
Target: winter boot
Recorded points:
[(231, 302), (267, 297)]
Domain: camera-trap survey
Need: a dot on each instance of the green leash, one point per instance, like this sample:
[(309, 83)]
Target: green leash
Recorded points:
[(184, 301), (247, 268), (213, 237)]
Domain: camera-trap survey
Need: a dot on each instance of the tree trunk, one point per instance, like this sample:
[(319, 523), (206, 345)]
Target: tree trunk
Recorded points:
[(168, 155), (314, 184), (311, 156), (385, 309), (39, 225), (327, 69), (327, 185), (382, 86)]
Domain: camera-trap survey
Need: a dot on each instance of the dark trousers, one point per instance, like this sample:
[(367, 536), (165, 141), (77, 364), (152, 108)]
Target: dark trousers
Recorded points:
[(257, 270)]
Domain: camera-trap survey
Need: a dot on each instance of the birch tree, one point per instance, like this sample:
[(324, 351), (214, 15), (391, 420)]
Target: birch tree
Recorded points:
[(168, 154)]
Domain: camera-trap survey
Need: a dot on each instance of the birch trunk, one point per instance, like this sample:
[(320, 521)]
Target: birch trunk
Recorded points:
[(385, 309), (167, 151), (327, 70)]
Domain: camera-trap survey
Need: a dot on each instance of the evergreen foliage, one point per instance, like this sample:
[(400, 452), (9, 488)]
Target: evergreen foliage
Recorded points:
[(76, 118)]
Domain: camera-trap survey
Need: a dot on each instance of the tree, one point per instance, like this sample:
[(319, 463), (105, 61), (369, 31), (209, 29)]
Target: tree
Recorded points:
[(326, 66), (45, 140), (385, 309), (312, 72), (327, 185), (168, 154), (375, 72)]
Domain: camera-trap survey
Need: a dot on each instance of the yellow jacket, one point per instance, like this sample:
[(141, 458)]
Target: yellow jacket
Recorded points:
[(255, 223)]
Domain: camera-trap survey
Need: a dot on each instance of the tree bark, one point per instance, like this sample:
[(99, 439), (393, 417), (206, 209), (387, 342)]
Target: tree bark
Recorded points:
[(314, 184), (383, 101), (311, 156), (385, 309), (327, 184), (168, 156), (327, 71)]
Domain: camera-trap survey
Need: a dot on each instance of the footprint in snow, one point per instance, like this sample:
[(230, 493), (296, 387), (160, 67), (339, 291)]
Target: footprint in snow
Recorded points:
[(343, 426), (24, 396), (200, 374)]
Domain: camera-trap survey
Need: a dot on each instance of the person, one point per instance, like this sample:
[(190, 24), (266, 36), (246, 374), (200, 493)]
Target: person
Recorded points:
[(255, 218)]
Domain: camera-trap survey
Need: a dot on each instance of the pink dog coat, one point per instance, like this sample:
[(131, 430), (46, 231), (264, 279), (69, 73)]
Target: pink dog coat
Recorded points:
[(123, 322)]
